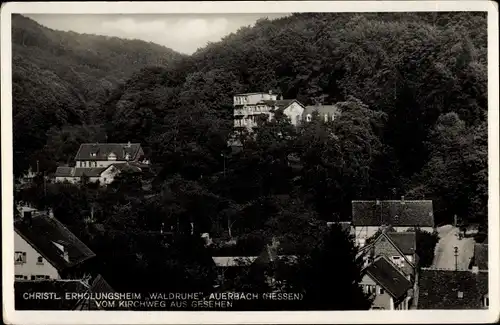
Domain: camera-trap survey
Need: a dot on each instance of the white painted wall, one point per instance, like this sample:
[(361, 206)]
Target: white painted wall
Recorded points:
[(362, 233), (253, 98), (31, 267), (294, 113)]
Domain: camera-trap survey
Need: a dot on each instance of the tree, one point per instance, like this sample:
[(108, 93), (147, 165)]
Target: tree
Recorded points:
[(319, 272), (426, 244)]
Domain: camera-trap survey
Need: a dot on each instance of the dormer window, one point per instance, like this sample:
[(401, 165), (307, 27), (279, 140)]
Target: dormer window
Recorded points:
[(308, 117), (112, 156), (127, 156), (93, 154)]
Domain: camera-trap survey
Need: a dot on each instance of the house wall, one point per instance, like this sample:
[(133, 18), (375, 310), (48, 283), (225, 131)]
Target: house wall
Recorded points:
[(294, 112), (362, 233), (100, 163), (253, 98), (108, 176), (385, 248), (381, 300), (31, 267)]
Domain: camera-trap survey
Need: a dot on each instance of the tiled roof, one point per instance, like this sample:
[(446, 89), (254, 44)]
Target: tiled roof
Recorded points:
[(386, 274), (44, 231), (439, 289), (102, 150), (481, 256), (322, 109), (101, 285), (79, 172), (408, 213), (57, 286), (127, 167), (279, 104), (406, 241)]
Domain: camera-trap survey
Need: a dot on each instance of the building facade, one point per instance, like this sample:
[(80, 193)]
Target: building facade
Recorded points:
[(101, 162), (402, 215), (45, 249), (250, 107)]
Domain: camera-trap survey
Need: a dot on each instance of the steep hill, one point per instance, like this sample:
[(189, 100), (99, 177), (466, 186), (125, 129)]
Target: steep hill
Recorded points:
[(63, 78)]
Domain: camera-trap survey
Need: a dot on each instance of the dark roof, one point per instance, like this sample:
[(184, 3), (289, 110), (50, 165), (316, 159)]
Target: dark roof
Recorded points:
[(322, 109), (79, 172), (279, 104), (102, 151), (44, 231), (127, 167), (405, 241), (481, 256), (386, 274), (438, 289), (101, 285), (409, 213), (57, 286)]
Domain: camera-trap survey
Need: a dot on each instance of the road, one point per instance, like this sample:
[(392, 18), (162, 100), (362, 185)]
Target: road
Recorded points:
[(444, 255)]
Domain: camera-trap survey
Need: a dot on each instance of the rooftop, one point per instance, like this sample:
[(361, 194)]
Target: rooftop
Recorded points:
[(43, 232), (446, 289), (321, 109), (405, 213), (405, 241), (386, 274), (100, 151)]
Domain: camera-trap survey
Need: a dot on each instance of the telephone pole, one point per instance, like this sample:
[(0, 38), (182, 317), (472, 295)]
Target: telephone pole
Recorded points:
[(456, 258)]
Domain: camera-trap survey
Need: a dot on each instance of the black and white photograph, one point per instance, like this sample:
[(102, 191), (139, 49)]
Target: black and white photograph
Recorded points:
[(301, 160)]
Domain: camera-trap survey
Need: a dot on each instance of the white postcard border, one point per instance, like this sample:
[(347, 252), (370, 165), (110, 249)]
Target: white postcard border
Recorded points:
[(228, 317)]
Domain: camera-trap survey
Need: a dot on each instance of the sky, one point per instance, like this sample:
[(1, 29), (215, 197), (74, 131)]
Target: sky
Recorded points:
[(180, 32)]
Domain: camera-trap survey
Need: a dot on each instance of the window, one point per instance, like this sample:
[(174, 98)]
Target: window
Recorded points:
[(19, 257), (308, 118), (47, 277), (381, 291), (39, 277), (93, 154), (84, 164), (39, 260), (333, 117), (326, 117), (19, 277), (32, 277)]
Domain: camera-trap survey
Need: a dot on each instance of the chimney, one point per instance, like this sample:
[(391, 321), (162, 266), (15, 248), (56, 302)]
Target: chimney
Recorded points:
[(270, 92), (128, 144), (460, 294), (475, 269), (402, 200), (377, 202)]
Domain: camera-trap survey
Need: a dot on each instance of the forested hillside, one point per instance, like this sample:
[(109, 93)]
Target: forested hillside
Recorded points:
[(413, 93), (422, 70), (63, 78)]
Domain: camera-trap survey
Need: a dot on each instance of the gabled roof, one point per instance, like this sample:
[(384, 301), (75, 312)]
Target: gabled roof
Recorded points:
[(79, 172), (44, 231), (280, 104), (60, 287), (387, 275), (102, 150), (407, 213), (439, 289), (322, 109), (405, 241), (481, 256)]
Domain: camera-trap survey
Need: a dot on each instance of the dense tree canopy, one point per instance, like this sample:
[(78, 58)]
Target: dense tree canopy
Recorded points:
[(411, 88)]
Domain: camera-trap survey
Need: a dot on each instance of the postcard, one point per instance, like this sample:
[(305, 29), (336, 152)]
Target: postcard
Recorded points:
[(250, 162)]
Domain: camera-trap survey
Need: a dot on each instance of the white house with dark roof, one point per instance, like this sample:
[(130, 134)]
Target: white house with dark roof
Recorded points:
[(101, 162), (326, 113), (249, 107), (45, 249), (401, 215), (390, 288)]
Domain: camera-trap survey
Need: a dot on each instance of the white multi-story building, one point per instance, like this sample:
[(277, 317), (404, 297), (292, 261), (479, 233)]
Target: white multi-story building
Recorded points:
[(249, 107)]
